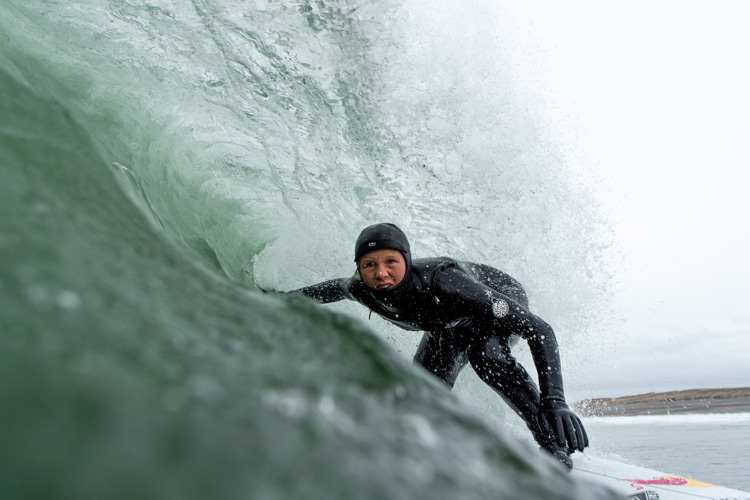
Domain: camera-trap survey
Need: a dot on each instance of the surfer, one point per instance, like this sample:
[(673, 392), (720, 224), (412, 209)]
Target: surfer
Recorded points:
[(471, 313)]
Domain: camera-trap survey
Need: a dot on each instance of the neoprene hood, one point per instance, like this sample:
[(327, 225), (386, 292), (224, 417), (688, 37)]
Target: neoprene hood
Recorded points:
[(380, 236)]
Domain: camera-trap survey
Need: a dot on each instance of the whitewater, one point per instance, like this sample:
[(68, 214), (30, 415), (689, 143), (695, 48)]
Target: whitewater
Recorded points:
[(161, 160)]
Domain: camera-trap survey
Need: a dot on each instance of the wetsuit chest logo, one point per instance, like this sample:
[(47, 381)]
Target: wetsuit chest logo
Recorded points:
[(500, 308)]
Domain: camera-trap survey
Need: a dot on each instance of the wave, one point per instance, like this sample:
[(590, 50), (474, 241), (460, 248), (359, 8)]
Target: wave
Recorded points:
[(158, 160)]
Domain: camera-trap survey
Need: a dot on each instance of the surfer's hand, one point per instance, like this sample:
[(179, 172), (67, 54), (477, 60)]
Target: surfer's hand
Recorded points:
[(565, 425)]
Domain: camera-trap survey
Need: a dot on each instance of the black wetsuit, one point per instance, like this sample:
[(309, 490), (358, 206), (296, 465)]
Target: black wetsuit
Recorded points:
[(473, 313)]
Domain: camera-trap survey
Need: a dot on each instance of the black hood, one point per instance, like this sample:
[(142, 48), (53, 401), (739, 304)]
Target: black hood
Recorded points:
[(380, 236)]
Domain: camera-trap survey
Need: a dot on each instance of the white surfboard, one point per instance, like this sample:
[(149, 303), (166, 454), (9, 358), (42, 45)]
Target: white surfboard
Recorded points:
[(647, 484)]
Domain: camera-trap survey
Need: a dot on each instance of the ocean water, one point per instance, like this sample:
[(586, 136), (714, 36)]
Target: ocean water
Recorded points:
[(160, 159), (712, 448)]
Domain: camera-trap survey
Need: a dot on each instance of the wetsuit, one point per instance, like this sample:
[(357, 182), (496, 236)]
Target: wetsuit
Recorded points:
[(473, 313)]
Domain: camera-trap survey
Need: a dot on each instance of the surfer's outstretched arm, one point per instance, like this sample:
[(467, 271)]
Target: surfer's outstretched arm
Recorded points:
[(325, 292)]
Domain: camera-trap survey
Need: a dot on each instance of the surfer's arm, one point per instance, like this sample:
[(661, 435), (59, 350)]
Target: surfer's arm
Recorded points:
[(458, 292), (555, 414), (544, 350), (326, 292)]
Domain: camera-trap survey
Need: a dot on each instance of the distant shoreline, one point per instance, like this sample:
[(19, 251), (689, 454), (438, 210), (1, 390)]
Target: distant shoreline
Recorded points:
[(730, 400)]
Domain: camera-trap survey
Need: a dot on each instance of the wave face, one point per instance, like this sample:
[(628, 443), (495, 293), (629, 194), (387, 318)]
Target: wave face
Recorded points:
[(159, 159)]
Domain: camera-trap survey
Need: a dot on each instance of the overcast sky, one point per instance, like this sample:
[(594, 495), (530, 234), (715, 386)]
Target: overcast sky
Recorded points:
[(660, 92)]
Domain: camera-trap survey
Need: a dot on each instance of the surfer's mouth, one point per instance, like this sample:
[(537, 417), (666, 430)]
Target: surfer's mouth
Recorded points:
[(385, 287)]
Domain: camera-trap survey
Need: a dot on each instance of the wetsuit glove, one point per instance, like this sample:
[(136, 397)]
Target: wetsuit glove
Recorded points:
[(558, 419)]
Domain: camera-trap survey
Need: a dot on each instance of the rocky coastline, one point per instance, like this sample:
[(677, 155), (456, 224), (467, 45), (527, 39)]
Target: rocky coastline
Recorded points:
[(728, 400)]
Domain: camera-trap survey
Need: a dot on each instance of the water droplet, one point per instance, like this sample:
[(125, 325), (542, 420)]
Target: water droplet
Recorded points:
[(68, 300)]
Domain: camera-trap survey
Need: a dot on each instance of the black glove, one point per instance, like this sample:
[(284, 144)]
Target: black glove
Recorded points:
[(558, 420)]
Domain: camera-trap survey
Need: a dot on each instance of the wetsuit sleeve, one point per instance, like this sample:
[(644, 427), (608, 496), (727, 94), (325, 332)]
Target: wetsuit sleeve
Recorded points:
[(543, 346), (555, 415), (327, 291), (460, 294)]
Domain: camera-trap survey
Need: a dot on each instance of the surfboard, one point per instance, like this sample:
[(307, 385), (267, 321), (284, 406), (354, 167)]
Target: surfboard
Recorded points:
[(646, 484)]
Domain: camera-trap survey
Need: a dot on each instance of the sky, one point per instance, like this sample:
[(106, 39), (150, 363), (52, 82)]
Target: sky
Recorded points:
[(657, 97)]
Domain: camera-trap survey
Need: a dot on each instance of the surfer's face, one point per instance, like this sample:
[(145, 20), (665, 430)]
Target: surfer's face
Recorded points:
[(382, 269)]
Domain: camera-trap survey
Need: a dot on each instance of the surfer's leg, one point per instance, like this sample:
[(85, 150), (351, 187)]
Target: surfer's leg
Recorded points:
[(443, 354), (495, 365)]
